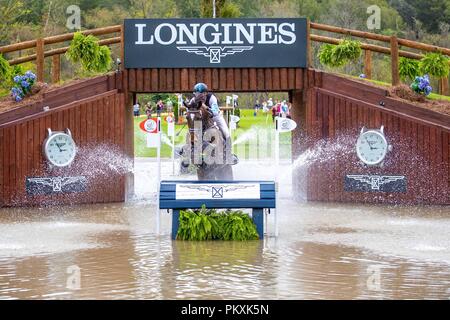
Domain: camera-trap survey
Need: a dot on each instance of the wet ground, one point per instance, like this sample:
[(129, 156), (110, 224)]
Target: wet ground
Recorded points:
[(324, 251)]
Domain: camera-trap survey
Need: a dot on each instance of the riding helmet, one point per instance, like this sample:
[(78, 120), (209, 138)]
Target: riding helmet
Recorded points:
[(200, 87)]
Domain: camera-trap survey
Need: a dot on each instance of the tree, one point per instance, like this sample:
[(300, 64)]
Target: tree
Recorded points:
[(11, 11)]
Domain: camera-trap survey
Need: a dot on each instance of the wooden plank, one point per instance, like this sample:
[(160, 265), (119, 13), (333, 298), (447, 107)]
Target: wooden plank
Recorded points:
[(245, 80), (30, 143), (215, 79), (237, 79), (2, 167), (222, 79), (76, 130), (89, 125), (83, 123), (103, 118), (56, 66), (394, 61), (207, 74), (299, 77), (177, 80), (276, 79), (40, 59), (192, 78), (284, 79), (155, 80), (5, 165), (12, 162), (108, 130), (184, 80), (267, 79), (199, 75), (230, 79), (162, 80), (147, 80), (132, 80), (291, 78), (170, 83), (139, 80), (95, 107), (252, 79), (260, 79)]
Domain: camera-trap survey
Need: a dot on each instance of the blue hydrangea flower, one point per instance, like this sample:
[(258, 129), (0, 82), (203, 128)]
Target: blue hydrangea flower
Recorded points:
[(25, 84), (362, 75)]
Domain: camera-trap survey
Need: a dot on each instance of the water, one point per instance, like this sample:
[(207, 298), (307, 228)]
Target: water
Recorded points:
[(324, 251)]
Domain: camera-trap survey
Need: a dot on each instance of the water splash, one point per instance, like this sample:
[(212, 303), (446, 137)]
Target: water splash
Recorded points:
[(251, 134), (165, 139)]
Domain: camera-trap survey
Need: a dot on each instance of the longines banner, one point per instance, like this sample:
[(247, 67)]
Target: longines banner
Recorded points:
[(215, 43)]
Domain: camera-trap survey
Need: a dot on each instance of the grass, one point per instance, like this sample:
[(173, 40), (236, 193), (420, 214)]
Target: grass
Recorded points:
[(248, 124), (3, 92)]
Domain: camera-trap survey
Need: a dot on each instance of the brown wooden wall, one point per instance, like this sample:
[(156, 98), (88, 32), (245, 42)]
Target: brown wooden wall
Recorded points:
[(93, 121), (225, 80), (330, 111), (337, 109)]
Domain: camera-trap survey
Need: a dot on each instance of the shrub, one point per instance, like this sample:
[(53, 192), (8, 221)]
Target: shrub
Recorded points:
[(23, 85), (5, 71), (422, 85), (206, 224), (434, 64), (86, 50), (339, 55), (408, 68)]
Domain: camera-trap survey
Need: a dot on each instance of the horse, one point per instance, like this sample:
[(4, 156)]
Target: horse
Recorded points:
[(205, 138)]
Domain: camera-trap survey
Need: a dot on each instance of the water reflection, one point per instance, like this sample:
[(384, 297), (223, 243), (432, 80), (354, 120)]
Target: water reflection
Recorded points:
[(323, 252)]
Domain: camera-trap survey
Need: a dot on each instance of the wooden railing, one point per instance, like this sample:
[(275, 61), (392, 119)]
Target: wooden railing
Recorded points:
[(393, 49)]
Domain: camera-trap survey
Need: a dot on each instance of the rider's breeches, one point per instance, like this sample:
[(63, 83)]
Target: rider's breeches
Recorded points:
[(222, 124)]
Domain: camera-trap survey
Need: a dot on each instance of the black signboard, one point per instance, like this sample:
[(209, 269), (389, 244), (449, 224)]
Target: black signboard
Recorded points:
[(215, 43), (374, 183), (52, 185)]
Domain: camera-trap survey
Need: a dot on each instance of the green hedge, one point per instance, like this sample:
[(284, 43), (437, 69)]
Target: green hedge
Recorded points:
[(207, 224)]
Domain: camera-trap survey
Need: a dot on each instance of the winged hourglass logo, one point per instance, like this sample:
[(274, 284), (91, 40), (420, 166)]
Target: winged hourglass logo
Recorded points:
[(215, 53), (375, 182)]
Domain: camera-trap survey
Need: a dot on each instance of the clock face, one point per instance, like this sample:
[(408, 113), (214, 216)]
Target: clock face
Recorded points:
[(371, 147), (60, 149)]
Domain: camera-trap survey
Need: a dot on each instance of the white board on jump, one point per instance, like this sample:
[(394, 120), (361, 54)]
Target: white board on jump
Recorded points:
[(205, 191)]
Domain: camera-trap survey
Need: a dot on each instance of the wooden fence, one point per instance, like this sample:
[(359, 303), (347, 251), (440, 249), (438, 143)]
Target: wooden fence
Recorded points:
[(115, 34)]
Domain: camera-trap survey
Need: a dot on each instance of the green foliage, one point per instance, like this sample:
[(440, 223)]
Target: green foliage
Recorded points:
[(326, 55), (408, 68), (341, 54), (230, 10), (86, 50), (237, 111), (5, 72), (206, 224), (435, 64)]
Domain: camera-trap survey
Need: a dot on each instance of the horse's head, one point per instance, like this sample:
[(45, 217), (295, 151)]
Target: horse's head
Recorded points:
[(197, 112)]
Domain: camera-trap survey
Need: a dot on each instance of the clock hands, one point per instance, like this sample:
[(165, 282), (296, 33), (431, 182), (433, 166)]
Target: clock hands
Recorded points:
[(370, 145)]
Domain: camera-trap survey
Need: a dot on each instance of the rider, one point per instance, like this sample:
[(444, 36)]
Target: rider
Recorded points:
[(201, 94)]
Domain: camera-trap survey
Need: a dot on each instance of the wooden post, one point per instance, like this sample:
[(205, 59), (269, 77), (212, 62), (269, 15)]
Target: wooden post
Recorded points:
[(394, 61), (122, 47), (443, 86), (56, 67), (309, 61), (368, 64), (40, 59)]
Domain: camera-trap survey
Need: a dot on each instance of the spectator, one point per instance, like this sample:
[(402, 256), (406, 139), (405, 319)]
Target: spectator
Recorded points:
[(274, 112), (256, 108), (148, 110), (284, 109), (270, 104), (136, 109), (159, 108), (169, 106)]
